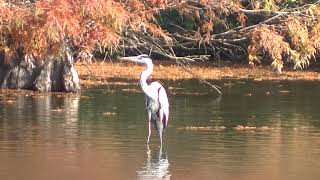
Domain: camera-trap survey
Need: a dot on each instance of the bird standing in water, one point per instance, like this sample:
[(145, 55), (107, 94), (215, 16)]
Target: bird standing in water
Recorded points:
[(157, 104)]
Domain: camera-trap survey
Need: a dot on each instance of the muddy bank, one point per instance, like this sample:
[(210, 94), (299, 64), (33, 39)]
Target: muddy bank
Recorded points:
[(99, 73)]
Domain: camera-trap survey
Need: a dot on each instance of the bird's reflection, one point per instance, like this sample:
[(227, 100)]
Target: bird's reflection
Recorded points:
[(216, 101), (156, 166)]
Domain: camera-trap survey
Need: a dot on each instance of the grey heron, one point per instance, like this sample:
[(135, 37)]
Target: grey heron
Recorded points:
[(156, 99)]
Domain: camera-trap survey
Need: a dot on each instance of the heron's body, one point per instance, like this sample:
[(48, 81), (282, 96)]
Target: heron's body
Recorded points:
[(157, 104), (158, 110)]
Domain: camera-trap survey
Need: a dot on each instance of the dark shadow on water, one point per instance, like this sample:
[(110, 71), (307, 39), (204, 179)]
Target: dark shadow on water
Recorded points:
[(156, 166)]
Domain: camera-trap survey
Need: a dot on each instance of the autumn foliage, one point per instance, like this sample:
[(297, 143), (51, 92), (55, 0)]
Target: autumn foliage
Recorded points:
[(277, 32), (44, 27), (294, 40)]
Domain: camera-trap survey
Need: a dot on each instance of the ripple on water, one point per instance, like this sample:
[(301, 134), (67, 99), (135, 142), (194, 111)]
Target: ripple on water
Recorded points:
[(101, 135)]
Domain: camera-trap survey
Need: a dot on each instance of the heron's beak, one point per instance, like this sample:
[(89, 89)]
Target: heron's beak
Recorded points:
[(130, 58)]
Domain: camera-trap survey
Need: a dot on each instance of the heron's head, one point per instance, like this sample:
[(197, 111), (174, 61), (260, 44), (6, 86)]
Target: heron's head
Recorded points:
[(141, 59)]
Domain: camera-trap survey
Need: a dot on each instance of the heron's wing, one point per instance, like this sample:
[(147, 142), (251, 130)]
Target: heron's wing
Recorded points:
[(164, 103), (159, 101), (151, 104), (148, 102), (152, 107)]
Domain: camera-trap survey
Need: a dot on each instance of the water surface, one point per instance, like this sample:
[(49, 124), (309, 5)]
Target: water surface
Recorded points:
[(256, 130)]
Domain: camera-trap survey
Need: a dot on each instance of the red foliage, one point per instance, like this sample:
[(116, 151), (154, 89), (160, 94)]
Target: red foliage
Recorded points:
[(43, 27)]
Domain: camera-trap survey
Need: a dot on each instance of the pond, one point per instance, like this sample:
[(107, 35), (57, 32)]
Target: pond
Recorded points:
[(256, 130)]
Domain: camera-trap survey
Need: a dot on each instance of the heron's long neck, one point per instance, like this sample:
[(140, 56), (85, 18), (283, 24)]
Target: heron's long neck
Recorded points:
[(143, 79)]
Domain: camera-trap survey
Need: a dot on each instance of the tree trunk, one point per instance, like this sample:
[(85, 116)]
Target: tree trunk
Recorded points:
[(55, 75), (19, 77)]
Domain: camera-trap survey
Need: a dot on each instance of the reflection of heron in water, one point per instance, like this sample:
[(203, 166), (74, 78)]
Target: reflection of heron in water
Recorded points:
[(156, 167)]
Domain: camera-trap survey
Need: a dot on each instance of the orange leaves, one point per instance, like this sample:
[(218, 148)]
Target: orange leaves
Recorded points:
[(140, 13), (157, 3), (158, 32), (44, 28), (101, 22), (242, 19), (207, 27), (303, 49), (61, 19), (108, 13), (135, 5), (14, 26), (267, 42), (104, 37), (299, 46), (315, 36), (297, 31)]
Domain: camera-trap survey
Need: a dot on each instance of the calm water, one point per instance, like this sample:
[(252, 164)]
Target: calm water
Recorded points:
[(256, 130)]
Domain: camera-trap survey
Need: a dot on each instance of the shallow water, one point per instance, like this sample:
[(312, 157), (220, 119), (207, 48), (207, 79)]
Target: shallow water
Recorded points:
[(256, 130)]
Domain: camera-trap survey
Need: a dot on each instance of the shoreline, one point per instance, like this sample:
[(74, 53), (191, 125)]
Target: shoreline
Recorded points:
[(99, 73)]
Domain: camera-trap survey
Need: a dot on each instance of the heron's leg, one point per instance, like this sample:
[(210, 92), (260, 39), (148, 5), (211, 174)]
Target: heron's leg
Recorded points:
[(160, 134), (149, 122), (160, 127)]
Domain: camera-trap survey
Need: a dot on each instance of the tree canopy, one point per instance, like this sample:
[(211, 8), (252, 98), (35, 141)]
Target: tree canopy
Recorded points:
[(277, 32)]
